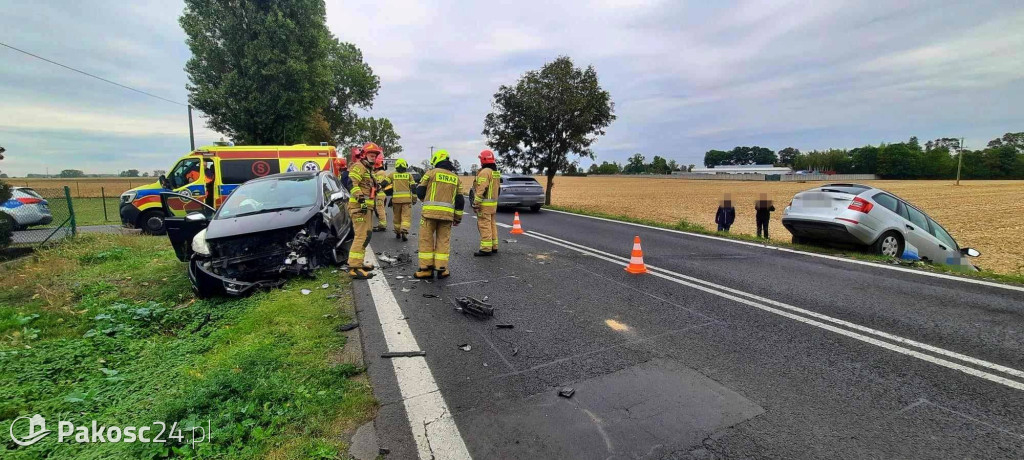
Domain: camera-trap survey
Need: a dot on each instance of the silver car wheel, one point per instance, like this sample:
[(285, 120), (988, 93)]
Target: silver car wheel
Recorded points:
[(890, 246)]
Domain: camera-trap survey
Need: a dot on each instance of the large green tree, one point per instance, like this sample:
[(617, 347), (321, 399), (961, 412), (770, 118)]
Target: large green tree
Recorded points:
[(380, 131), (270, 72), (546, 116)]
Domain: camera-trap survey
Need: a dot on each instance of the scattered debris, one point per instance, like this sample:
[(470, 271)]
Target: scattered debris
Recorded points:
[(384, 451), (348, 327), (566, 392), (465, 347), (515, 351), (399, 277), (330, 315), (403, 354), (334, 271), (408, 289), (432, 296), (383, 257), (504, 326), (486, 298), (511, 241), (325, 286), (475, 307), (333, 296), (305, 291), (531, 332)]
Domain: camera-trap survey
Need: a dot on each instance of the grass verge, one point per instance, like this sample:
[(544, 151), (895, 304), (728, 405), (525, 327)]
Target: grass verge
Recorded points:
[(691, 227), (106, 328)]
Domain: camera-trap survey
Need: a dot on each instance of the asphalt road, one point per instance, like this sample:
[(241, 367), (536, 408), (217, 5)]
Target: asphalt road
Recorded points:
[(724, 350)]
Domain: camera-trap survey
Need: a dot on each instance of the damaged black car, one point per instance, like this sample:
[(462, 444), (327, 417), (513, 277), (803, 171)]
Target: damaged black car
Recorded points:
[(268, 229)]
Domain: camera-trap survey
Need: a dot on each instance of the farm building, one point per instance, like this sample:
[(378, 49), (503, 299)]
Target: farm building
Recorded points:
[(743, 169)]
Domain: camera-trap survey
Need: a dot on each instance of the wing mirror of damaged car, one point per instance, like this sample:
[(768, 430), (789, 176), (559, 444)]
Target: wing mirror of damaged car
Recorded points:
[(195, 216), (337, 197), (163, 182), (970, 252)]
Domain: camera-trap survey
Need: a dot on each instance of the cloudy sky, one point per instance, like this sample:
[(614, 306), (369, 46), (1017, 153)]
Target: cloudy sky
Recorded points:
[(685, 76)]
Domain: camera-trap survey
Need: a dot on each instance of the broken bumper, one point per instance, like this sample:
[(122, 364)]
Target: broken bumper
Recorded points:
[(231, 286)]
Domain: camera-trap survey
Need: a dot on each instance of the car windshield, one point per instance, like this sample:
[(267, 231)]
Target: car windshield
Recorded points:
[(269, 195)]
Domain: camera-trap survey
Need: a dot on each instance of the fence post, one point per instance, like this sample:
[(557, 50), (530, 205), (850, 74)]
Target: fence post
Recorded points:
[(78, 186), (103, 196), (71, 210)]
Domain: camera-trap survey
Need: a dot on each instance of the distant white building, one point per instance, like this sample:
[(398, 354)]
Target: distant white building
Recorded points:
[(743, 169)]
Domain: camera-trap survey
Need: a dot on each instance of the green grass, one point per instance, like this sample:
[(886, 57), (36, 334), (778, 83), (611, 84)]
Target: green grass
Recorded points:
[(89, 211), (105, 328), (691, 227)]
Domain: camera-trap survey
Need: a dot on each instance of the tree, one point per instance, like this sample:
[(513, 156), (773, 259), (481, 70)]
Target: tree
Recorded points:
[(899, 161), (635, 164), (1015, 140), (425, 165), (593, 169), (864, 160), (145, 174), (787, 155), (458, 167), (158, 172), (673, 166), (129, 173), (689, 168), (658, 166), (263, 71), (380, 131), (549, 114), (71, 173), (714, 158), (474, 169)]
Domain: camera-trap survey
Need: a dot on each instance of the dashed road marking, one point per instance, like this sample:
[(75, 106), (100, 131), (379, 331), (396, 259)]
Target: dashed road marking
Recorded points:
[(433, 428)]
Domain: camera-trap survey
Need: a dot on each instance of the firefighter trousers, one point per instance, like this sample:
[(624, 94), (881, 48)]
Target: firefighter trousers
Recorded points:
[(362, 228), (401, 217), (382, 213), (435, 236), (488, 227)]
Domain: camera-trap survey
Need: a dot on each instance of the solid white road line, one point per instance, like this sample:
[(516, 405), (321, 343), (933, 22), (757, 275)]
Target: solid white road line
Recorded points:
[(433, 428), (724, 292), (823, 256)]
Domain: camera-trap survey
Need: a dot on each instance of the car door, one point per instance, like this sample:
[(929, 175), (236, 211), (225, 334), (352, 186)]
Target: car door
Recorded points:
[(188, 178), (950, 250), (182, 220), (919, 235)]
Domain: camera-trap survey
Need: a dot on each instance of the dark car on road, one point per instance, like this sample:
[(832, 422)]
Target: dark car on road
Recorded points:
[(267, 229)]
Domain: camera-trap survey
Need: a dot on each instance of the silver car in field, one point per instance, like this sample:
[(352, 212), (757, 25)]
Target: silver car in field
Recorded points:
[(520, 191), (864, 215)]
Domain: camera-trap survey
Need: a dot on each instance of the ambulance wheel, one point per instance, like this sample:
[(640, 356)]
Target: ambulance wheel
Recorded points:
[(535, 208), (152, 222)]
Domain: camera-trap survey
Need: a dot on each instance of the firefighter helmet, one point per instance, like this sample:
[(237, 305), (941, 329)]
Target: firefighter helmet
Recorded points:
[(486, 156), (401, 163), (379, 162), (357, 154), (371, 147), (340, 164), (438, 157)]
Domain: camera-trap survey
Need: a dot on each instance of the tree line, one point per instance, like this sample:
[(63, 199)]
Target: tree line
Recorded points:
[(1002, 158), (637, 164)]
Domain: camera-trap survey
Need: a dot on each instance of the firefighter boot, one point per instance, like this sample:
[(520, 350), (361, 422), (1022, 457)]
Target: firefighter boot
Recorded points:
[(482, 253), (443, 273), (424, 273), (360, 273), (405, 236)]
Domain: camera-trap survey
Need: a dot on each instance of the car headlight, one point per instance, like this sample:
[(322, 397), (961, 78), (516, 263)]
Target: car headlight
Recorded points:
[(127, 197), (199, 245)]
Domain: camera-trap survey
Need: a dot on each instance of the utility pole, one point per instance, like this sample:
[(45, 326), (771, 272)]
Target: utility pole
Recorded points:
[(191, 135), (431, 151), (960, 161)]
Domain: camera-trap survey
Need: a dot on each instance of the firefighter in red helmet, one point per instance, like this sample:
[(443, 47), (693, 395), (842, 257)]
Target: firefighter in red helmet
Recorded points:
[(380, 198), (485, 203), (359, 207)]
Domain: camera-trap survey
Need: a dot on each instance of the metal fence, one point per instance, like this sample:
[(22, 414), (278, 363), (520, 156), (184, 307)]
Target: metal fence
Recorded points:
[(775, 177), (41, 217)]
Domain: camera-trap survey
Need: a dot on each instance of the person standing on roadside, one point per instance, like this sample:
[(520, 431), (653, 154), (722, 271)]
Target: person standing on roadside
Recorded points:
[(440, 190), (763, 209), (485, 203), (380, 198), (725, 215), (402, 198), (359, 206)]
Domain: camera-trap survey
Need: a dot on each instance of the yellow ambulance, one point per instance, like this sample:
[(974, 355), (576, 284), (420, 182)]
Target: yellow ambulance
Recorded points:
[(211, 173)]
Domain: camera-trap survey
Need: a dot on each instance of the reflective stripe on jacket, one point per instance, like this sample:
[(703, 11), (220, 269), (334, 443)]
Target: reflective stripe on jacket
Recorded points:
[(362, 182), (442, 186), (485, 190), (401, 186)]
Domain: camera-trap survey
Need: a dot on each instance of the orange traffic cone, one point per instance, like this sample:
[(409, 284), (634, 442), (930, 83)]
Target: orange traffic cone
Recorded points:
[(636, 259), (517, 229)]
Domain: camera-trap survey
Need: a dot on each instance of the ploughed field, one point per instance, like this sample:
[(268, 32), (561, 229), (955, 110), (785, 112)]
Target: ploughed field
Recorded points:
[(91, 187), (987, 215)]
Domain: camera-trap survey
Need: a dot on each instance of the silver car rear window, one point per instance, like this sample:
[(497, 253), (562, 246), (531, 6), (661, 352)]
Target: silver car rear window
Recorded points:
[(888, 201)]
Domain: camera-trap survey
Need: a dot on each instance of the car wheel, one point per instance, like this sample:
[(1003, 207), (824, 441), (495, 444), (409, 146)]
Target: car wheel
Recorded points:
[(152, 222), (889, 244), (203, 286), (535, 208)]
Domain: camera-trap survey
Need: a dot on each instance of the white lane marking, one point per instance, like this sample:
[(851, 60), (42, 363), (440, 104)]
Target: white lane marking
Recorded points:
[(433, 428), (719, 291), (823, 256), (886, 335)]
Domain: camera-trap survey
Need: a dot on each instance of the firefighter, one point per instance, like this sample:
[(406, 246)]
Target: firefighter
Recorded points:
[(402, 199), (359, 208), (440, 190), (383, 190), (485, 203), (341, 169)]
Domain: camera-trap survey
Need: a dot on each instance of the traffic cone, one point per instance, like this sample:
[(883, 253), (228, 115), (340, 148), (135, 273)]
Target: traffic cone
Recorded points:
[(517, 229), (636, 259)]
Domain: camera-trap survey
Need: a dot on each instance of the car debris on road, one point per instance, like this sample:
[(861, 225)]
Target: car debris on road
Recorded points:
[(475, 307)]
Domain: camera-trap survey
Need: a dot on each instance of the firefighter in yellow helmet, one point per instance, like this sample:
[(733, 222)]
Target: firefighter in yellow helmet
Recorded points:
[(441, 192), (402, 198), (383, 190), (359, 207), (485, 203)]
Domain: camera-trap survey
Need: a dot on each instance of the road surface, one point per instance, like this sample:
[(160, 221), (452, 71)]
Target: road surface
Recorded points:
[(724, 350)]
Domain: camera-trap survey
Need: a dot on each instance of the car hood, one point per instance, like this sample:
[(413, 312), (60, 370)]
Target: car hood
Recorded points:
[(256, 223)]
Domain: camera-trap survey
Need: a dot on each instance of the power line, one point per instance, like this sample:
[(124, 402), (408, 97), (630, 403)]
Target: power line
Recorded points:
[(93, 76)]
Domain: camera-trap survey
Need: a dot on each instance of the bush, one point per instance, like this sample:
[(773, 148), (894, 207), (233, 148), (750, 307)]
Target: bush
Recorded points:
[(6, 221)]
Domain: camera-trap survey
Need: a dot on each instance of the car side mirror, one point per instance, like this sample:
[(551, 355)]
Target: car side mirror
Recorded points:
[(338, 196), (163, 182), (195, 216), (970, 252)]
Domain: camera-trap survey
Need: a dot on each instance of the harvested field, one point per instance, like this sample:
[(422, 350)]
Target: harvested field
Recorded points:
[(985, 215), (85, 187)]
